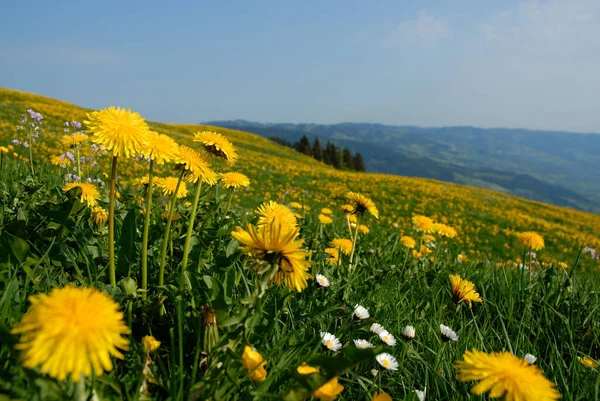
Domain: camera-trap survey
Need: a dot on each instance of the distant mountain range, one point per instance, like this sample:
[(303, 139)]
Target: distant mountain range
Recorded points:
[(561, 168)]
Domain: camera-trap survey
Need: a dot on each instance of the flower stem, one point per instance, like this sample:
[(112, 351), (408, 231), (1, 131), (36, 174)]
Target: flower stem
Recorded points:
[(228, 202), (79, 165), (31, 154), (145, 234), (354, 241), (111, 222), (188, 237), (165, 244)]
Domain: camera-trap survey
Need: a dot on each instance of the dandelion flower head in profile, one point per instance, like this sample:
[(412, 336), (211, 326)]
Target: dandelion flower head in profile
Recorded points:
[(234, 180), (408, 242), (71, 331), (587, 362), (60, 160), (322, 280), (296, 205), (276, 244), (328, 391), (89, 192), (448, 334), (168, 185), (327, 211), (270, 211), (121, 131), (347, 209), (381, 397), (195, 164), (463, 290), (503, 374), (444, 230), (531, 240), (361, 312), (217, 145), (330, 341), (363, 344), (150, 344), (387, 361), (159, 148), (98, 215), (377, 328), (362, 204), (343, 244), (423, 224), (73, 140), (324, 219), (333, 255), (387, 338), (363, 229), (142, 182), (254, 363)]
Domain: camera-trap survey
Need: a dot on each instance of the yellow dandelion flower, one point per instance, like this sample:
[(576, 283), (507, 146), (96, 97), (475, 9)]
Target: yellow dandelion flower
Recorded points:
[(503, 374), (323, 219), (353, 219), (363, 229), (159, 148), (141, 182), (255, 364), (347, 209), (119, 130), (444, 230), (3, 150), (416, 254), (423, 224), (362, 204), (531, 240), (328, 391), (334, 255), (326, 210), (196, 165), (98, 215), (71, 331), (587, 362), (234, 180), (269, 211), (296, 205), (60, 161), (425, 250), (381, 397), (150, 344), (169, 184), (217, 145), (277, 244), (343, 244), (428, 238), (462, 258), (463, 290), (89, 192), (408, 242), (73, 140)]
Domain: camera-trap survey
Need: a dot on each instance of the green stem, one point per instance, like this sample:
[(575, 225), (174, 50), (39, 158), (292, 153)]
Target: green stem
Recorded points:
[(111, 222), (354, 241), (163, 251), (180, 338), (31, 155), (228, 202), (79, 165), (188, 237), (145, 234)]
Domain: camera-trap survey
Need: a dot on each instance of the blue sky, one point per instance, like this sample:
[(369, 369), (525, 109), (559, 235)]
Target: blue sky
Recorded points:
[(531, 64)]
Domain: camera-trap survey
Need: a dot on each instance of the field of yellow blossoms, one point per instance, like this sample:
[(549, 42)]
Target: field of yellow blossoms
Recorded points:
[(147, 261)]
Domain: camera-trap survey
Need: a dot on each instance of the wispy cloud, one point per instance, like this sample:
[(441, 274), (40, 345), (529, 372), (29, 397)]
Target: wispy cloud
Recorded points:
[(60, 53), (424, 30)]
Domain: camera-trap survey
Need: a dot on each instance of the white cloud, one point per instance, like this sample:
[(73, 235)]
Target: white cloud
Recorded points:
[(425, 29)]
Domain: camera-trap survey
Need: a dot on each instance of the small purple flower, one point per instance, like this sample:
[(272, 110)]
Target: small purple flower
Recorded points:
[(70, 156), (15, 142), (25, 144), (66, 123), (76, 124)]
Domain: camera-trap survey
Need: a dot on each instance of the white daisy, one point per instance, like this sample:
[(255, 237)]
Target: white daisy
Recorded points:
[(408, 332), (421, 394), (363, 344), (448, 334), (330, 341), (361, 312), (322, 280), (530, 358), (387, 361), (387, 338), (377, 328)]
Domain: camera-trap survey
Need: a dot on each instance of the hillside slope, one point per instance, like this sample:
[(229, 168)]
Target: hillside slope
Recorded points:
[(486, 220)]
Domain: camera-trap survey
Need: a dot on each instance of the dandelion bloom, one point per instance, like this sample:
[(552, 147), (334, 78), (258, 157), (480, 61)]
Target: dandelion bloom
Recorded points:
[(387, 361), (276, 243), (323, 219), (141, 182), (461, 258), (328, 391), (169, 184), (73, 140), (296, 205), (119, 130), (444, 230), (463, 290), (326, 210), (234, 180), (217, 145), (255, 364), (60, 161), (330, 341), (334, 255), (89, 192), (408, 242), (98, 215), (503, 374), (423, 224), (363, 229), (343, 244), (195, 165), (381, 397), (531, 240), (159, 148), (150, 344), (71, 331), (362, 204), (587, 362), (347, 209), (272, 210)]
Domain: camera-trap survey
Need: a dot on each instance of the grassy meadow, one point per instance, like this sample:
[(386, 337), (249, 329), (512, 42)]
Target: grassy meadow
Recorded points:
[(216, 298)]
